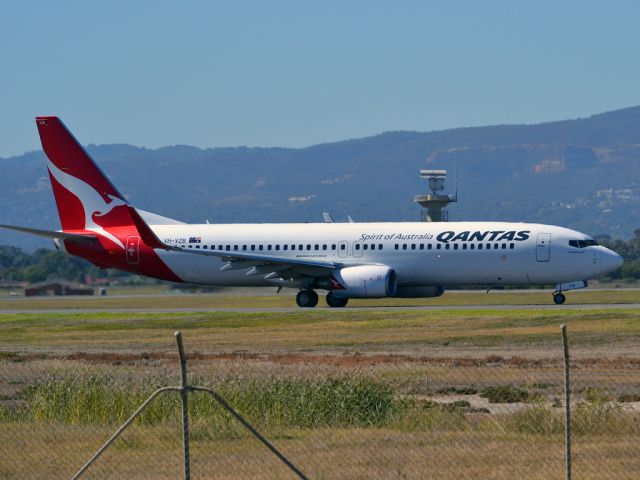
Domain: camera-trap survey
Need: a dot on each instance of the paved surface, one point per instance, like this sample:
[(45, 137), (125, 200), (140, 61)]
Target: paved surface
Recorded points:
[(604, 306)]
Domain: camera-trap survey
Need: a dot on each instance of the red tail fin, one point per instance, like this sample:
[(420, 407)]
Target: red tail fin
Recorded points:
[(85, 197)]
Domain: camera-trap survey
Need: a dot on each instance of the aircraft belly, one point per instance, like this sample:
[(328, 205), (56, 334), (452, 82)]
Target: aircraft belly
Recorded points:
[(205, 270)]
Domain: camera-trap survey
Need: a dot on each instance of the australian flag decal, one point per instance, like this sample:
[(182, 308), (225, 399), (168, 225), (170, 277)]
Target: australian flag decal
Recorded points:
[(195, 239)]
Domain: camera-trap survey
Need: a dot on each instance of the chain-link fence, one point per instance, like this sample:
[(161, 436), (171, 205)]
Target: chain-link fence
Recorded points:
[(462, 414)]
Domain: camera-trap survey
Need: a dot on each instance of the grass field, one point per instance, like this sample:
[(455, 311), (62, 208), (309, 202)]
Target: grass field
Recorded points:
[(266, 298), (388, 393)]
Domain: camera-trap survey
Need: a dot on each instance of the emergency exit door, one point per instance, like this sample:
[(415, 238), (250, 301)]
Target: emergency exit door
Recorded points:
[(543, 247)]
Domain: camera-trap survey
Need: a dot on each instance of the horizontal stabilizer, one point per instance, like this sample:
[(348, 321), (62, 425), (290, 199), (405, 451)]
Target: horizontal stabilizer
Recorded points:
[(76, 237)]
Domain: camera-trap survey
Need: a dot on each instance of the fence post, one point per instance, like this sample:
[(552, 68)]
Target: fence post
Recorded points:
[(184, 395), (567, 403)]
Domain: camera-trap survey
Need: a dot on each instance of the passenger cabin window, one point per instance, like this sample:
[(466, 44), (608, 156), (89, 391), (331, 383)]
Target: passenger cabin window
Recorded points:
[(380, 247), (357, 246), (365, 247)]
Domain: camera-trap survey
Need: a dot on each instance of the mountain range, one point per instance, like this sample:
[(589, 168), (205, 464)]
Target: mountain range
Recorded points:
[(581, 173)]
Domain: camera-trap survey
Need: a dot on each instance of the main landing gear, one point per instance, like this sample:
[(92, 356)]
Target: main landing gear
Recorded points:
[(559, 298), (309, 299), (336, 302)]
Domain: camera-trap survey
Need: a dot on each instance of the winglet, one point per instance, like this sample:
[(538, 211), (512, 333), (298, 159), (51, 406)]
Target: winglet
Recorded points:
[(148, 237)]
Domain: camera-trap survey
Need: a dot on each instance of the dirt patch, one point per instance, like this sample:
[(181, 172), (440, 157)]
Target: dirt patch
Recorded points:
[(345, 359)]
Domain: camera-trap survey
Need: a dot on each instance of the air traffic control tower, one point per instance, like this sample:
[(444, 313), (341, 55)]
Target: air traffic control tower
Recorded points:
[(434, 203)]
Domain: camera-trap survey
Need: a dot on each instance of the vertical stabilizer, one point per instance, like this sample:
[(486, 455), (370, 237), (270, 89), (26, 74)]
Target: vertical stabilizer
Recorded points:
[(85, 197)]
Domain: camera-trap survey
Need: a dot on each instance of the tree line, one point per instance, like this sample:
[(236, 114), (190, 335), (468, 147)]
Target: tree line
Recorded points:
[(45, 264), (630, 252)]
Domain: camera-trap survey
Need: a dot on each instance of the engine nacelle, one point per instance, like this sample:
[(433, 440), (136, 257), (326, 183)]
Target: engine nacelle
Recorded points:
[(419, 292), (364, 281)]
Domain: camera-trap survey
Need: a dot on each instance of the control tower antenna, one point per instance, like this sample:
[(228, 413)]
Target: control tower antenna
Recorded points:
[(433, 203)]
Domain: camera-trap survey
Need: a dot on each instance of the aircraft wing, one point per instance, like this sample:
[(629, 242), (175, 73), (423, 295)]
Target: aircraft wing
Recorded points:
[(74, 237)]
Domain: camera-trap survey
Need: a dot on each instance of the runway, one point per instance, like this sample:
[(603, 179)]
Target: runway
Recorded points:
[(559, 308)]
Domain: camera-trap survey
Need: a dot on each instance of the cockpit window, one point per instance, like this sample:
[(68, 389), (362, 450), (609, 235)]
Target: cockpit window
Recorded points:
[(582, 243)]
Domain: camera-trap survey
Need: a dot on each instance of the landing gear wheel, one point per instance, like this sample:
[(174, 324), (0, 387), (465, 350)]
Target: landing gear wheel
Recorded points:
[(307, 298), (336, 302), (559, 298)]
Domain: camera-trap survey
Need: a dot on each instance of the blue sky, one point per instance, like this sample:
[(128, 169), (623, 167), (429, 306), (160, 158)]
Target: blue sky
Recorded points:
[(294, 73)]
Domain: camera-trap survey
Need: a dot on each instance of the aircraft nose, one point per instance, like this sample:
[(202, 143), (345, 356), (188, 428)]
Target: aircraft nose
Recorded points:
[(610, 260)]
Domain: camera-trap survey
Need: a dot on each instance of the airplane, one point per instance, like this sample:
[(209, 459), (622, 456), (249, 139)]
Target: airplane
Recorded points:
[(348, 260)]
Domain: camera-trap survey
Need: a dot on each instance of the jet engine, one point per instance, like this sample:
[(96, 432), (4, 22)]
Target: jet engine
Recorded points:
[(364, 281)]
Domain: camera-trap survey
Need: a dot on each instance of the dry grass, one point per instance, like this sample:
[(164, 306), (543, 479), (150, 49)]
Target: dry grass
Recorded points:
[(417, 353), (154, 452)]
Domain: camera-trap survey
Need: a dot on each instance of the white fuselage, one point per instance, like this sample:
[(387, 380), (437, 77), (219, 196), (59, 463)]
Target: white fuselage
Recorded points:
[(422, 254)]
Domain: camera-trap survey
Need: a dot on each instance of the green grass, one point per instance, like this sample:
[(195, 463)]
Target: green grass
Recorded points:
[(264, 331), (304, 403)]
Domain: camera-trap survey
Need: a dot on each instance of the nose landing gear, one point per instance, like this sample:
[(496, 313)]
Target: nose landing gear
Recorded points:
[(558, 296)]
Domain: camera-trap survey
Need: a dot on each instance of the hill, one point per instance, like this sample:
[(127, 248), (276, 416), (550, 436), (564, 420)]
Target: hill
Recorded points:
[(582, 173)]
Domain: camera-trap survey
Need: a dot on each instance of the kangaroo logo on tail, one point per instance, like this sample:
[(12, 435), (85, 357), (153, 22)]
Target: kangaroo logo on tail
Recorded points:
[(92, 202), (76, 175)]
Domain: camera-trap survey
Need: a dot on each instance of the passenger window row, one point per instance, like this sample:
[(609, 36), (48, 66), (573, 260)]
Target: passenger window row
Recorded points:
[(277, 247), (373, 246), (456, 246)]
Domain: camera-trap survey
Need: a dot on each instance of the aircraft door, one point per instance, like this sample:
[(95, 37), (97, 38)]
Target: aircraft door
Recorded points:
[(543, 247), (133, 250), (343, 249), (357, 248)]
